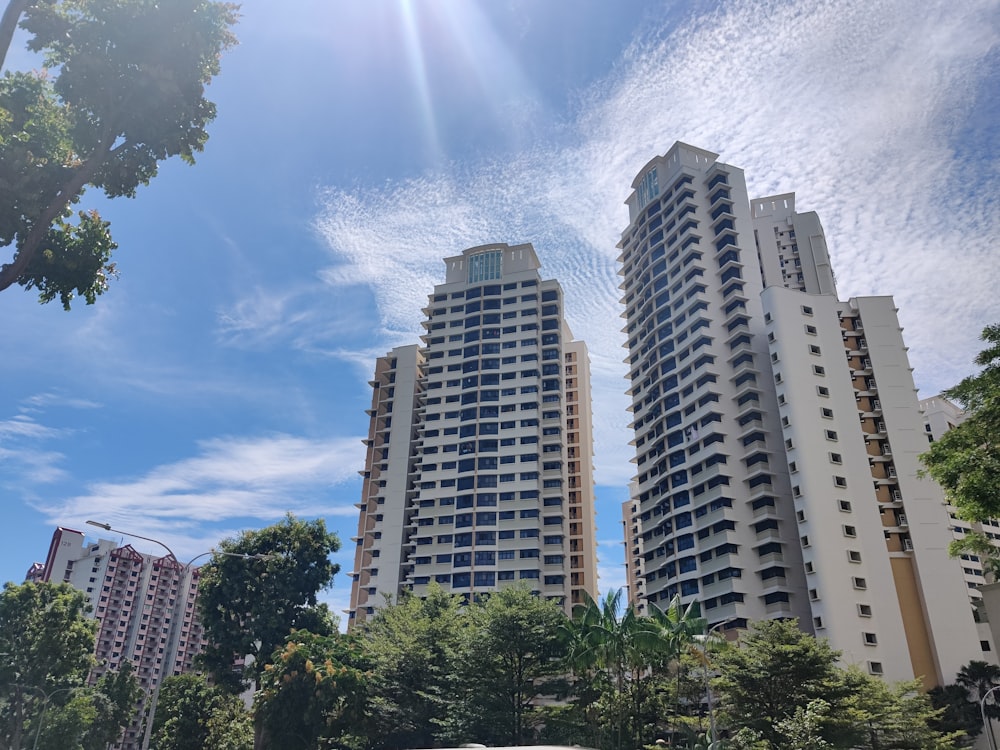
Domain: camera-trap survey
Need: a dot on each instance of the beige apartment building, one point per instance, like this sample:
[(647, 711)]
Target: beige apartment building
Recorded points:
[(479, 469), (778, 431)]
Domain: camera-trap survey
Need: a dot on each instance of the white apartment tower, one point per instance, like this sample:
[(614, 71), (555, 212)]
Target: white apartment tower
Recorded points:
[(479, 471), (144, 606), (940, 416), (777, 430)]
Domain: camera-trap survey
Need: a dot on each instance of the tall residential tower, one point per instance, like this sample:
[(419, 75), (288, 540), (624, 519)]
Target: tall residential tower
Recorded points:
[(777, 431), (479, 471)]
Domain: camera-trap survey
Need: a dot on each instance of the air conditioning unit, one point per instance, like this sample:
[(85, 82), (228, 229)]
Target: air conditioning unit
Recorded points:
[(897, 496), (902, 520), (908, 545)]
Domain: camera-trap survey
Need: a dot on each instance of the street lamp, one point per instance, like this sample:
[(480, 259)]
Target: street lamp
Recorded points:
[(704, 638), (46, 697), (987, 724), (175, 614)]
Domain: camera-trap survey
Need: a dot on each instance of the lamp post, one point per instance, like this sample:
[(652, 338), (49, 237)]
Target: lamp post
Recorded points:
[(175, 613), (987, 724), (704, 638), (46, 697)]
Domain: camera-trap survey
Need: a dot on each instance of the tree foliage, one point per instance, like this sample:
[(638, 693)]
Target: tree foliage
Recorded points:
[(778, 670), (313, 693), (511, 655), (91, 718), (192, 715), (249, 606), (48, 645), (414, 646), (627, 659), (128, 93), (965, 461)]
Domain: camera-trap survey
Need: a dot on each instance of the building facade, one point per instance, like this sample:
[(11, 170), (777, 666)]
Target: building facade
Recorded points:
[(940, 416), (479, 469), (144, 606), (777, 431)]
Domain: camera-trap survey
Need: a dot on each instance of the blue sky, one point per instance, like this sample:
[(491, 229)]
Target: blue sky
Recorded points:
[(223, 379)]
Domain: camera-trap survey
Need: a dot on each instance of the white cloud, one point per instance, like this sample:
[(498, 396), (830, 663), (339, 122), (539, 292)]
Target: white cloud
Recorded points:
[(855, 105), (42, 401), (23, 459), (192, 503)]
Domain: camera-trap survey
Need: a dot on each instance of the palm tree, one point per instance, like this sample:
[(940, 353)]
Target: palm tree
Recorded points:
[(677, 626), (978, 677), (606, 645), (626, 649)]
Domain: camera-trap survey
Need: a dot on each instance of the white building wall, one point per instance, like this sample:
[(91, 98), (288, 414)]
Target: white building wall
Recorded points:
[(847, 567), (943, 590), (714, 504)]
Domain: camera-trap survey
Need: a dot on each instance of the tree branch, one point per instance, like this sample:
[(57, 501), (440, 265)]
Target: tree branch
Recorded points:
[(11, 272), (8, 24)]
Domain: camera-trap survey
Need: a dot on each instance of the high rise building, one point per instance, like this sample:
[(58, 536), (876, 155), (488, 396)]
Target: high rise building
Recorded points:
[(479, 470), (940, 416), (777, 431), (144, 606)]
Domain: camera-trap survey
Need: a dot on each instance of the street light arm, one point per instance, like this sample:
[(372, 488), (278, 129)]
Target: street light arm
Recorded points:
[(987, 724), (239, 555), (107, 527)]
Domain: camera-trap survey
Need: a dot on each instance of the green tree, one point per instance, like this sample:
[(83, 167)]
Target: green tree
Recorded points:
[(91, 718), (778, 670), (189, 712), (896, 716), (414, 645), (957, 712), (512, 654), (249, 606), (613, 656), (313, 694), (965, 461), (48, 644), (978, 678), (128, 93)]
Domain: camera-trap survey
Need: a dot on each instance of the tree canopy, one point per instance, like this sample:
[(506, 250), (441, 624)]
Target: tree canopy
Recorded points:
[(48, 645), (192, 715), (249, 606), (965, 461), (122, 90)]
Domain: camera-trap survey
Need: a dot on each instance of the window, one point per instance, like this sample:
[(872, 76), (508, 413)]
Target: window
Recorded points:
[(804, 540), (836, 458), (875, 667), (871, 639), (811, 330), (853, 556), (840, 481), (859, 583), (818, 623), (800, 516), (823, 391), (826, 413), (831, 435), (813, 349), (818, 370), (808, 565), (864, 610), (845, 506), (813, 594), (806, 310)]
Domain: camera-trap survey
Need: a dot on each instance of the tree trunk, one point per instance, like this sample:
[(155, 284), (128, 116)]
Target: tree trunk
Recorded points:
[(8, 24), (11, 272)]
